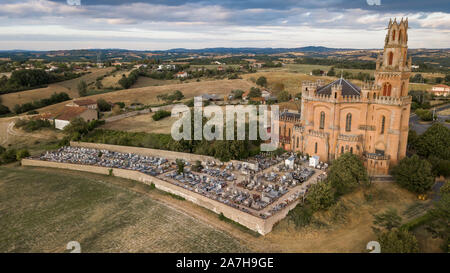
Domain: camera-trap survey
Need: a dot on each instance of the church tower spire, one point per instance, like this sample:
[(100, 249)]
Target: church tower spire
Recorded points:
[(394, 68)]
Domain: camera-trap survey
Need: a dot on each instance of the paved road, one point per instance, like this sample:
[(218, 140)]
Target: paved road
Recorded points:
[(421, 128)]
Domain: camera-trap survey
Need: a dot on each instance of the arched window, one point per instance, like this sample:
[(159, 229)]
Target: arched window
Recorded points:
[(348, 123), (400, 36), (387, 89), (393, 35), (391, 58), (351, 150), (297, 142), (383, 121), (315, 148), (402, 88), (289, 136), (342, 149), (322, 120)]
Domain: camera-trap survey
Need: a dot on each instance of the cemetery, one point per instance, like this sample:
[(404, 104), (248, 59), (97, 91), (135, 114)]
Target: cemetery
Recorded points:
[(261, 187)]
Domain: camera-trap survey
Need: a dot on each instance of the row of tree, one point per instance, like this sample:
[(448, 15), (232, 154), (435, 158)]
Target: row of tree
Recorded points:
[(53, 99), (31, 78)]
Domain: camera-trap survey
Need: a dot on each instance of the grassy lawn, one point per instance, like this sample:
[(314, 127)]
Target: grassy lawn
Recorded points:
[(43, 209)]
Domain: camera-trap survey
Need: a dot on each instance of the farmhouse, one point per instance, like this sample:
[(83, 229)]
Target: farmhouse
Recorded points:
[(88, 103), (69, 113), (440, 90), (182, 74)]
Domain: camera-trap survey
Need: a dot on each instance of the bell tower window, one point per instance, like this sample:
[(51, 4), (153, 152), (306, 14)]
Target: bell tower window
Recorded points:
[(391, 58)]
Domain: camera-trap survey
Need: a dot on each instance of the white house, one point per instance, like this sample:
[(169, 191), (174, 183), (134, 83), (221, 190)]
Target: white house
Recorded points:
[(440, 90), (182, 74)]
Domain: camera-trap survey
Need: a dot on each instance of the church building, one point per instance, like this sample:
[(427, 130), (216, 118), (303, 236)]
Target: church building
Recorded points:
[(370, 121)]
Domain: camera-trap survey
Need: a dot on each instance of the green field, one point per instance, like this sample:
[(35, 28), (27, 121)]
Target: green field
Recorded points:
[(43, 209)]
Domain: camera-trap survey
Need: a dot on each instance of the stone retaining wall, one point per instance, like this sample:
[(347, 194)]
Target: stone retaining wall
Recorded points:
[(262, 226), (170, 155)]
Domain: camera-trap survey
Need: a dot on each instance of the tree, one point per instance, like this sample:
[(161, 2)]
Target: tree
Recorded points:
[(254, 92), (98, 85), (398, 241), (434, 142), (177, 95), (82, 88), (331, 72), (103, 105), (180, 166), (197, 167), (4, 110), (414, 174), (346, 173), (424, 115), (386, 220), (77, 128), (237, 93), (283, 96), (262, 81), (320, 196), (440, 226)]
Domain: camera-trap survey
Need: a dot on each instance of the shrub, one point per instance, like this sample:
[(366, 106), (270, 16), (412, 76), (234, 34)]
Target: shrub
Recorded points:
[(22, 154), (320, 196), (398, 241), (301, 215), (4, 110), (9, 156), (424, 115), (160, 114), (33, 125)]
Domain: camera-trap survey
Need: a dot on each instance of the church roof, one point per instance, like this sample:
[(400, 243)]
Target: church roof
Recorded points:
[(348, 89)]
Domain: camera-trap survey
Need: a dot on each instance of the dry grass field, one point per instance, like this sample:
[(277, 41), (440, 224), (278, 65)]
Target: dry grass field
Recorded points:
[(142, 123), (17, 138), (148, 95), (146, 81), (70, 87), (292, 81), (113, 79), (44, 209)]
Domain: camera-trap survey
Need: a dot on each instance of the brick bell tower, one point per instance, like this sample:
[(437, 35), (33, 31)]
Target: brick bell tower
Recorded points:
[(394, 67)]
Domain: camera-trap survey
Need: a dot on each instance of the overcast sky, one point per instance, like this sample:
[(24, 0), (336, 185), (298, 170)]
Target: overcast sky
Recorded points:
[(165, 24)]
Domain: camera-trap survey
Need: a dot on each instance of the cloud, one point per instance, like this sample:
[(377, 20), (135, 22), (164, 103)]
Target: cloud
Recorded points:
[(197, 23)]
